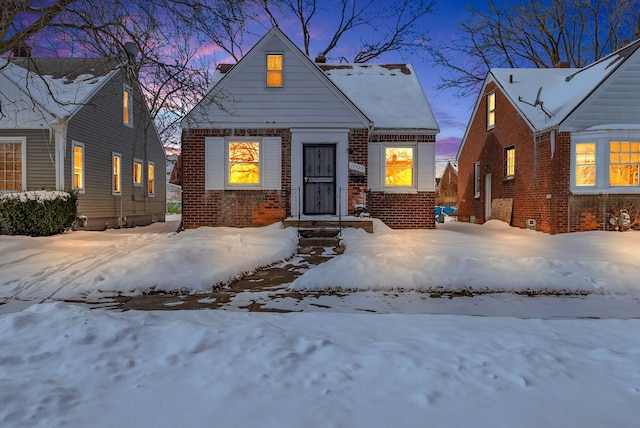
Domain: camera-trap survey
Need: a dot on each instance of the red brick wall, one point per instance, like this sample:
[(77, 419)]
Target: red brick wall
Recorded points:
[(238, 208), (404, 210)]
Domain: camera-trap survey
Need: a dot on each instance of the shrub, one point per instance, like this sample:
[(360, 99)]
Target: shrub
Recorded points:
[(38, 213)]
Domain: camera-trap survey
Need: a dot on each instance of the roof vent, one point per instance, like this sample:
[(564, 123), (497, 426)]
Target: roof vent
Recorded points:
[(561, 64)]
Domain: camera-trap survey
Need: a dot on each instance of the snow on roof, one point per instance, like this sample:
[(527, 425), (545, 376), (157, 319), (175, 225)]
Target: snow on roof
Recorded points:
[(389, 94), (560, 90), (58, 85)]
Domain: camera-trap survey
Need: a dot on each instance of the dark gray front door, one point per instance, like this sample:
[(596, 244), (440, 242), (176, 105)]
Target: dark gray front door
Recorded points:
[(319, 179)]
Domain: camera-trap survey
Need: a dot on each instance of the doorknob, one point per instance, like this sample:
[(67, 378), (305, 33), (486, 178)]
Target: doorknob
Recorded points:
[(306, 179)]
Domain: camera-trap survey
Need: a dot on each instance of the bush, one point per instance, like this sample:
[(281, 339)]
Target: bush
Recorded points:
[(38, 213)]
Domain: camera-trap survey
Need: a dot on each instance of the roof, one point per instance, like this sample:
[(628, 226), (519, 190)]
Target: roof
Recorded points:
[(389, 94), (545, 97), (59, 86)]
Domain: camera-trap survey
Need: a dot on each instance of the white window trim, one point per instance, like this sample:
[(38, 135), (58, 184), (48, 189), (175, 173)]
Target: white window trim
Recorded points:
[(113, 158), (126, 88), (23, 142), (155, 180), (258, 185), (266, 71), (601, 138), (476, 179), (383, 173), (133, 171), (75, 144), (489, 96)]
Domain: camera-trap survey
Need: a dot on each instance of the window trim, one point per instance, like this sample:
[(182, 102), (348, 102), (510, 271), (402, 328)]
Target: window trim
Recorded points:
[(80, 189), (509, 163), (127, 106), (491, 112), (114, 191), (602, 139), (23, 166), (227, 162), (414, 169), (137, 161), (269, 71), (476, 179), (151, 179)]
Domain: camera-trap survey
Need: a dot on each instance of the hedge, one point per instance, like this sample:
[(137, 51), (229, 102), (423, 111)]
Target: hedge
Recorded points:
[(38, 213)]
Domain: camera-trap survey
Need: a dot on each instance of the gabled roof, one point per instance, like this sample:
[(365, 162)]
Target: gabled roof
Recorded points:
[(545, 97), (389, 94), (58, 86)]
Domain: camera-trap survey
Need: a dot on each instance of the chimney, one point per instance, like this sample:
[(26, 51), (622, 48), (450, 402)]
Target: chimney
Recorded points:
[(320, 59), (561, 64)]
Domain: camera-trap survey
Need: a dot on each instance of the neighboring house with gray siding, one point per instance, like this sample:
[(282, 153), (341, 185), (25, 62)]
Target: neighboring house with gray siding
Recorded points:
[(82, 124)]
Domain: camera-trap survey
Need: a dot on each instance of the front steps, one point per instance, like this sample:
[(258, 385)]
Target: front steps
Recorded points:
[(324, 233)]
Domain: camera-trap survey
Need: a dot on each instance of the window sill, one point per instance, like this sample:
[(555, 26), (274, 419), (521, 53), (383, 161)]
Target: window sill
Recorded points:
[(509, 178), (626, 190), (403, 190)]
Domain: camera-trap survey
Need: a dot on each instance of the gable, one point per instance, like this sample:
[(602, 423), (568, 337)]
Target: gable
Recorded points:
[(307, 98)]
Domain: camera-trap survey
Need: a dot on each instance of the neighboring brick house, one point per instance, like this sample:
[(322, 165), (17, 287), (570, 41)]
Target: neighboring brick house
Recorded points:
[(447, 187), (556, 150), (280, 136), (82, 124)]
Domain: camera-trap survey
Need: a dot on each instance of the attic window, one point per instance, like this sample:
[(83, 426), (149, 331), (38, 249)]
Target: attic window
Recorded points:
[(127, 107), (491, 110), (274, 70)]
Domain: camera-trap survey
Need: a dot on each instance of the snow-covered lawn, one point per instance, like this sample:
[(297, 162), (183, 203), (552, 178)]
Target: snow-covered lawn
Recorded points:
[(67, 365)]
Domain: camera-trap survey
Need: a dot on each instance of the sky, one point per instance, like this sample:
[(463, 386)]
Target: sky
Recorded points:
[(377, 355)]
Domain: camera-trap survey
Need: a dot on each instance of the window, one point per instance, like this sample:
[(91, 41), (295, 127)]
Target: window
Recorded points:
[(127, 107), (78, 166), (399, 166), (137, 172), (151, 183), (244, 162), (624, 158), (585, 164), (491, 110), (509, 162), (476, 180), (117, 174), (274, 70), (12, 160)]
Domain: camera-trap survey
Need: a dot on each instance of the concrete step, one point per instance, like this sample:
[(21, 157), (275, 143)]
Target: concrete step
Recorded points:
[(366, 224), (319, 242), (319, 233)]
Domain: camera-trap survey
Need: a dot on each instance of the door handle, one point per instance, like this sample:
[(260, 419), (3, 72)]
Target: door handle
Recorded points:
[(306, 179)]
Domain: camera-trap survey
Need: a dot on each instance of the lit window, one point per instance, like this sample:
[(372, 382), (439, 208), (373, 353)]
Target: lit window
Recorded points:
[(244, 162), (586, 164), (624, 158), (491, 110), (399, 166), (151, 179), (127, 109), (137, 172), (509, 162), (78, 166), (117, 174), (476, 180), (11, 165), (274, 70)]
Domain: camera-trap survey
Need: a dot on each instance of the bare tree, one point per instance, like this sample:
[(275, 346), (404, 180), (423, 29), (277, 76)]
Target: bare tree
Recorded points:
[(531, 33), (382, 27)]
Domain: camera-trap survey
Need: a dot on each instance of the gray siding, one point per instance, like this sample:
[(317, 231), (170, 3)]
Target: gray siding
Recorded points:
[(615, 102), (41, 170), (99, 126), (307, 97)]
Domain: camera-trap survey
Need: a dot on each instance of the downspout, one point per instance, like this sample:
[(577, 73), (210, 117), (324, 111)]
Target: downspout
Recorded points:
[(59, 127)]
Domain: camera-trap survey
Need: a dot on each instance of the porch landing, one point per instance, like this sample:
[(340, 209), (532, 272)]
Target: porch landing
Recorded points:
[(326, 222)]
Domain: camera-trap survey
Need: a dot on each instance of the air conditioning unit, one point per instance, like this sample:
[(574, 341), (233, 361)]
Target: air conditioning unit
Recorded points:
[(531, 224)]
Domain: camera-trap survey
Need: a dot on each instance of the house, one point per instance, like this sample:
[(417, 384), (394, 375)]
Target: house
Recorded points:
[(555, 150), (447, 187), (81, 124), (280, 136)]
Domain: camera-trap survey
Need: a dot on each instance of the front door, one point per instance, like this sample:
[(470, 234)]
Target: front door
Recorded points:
[(319, 179)]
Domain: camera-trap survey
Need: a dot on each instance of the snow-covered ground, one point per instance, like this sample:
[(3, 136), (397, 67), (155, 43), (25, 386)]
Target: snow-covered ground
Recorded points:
[(67, 365)]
